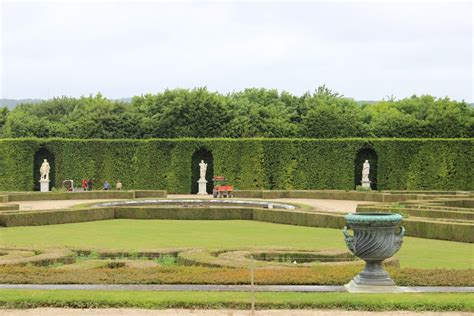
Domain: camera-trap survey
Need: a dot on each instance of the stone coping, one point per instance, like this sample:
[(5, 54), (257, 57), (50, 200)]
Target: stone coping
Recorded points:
[(373, 217), (197, 202)]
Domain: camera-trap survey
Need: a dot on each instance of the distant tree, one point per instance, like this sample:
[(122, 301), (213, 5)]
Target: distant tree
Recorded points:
[(422, 116), (187, 113), (249, 113), (261, 113), (3, 117), (337, 119), (327, 114)]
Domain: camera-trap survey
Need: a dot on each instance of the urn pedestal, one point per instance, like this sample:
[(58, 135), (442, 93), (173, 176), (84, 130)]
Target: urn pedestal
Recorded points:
[(377, 236), (202, 187), (44, 185)]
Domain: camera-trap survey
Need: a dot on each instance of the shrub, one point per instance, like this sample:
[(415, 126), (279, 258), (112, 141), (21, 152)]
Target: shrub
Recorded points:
[(322, 275), (35, 218), (41, 258), (416, 227), (248, 164)]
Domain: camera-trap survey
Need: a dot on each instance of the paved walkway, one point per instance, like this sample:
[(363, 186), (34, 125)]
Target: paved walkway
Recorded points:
[(211, 312), (54, 205), (338, 206), (223, 288)]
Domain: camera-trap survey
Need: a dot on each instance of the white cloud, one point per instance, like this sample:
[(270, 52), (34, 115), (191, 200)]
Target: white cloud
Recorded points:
[(363, 50)]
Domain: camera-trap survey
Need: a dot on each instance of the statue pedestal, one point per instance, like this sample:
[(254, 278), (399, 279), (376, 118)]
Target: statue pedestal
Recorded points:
[(202, 187), (365, 184), (44, 185)]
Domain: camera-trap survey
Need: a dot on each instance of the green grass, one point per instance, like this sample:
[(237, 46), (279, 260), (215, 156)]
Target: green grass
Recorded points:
[(134, 235), (160, 300)]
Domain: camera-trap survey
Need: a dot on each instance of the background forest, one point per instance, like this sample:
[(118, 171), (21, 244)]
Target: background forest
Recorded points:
[(249, 113)]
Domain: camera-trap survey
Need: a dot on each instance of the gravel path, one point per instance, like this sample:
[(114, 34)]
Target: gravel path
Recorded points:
[(54, 205), (220, 312), (338, 206)]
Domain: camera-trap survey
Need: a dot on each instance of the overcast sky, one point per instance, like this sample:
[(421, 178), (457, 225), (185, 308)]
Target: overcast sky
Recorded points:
[(367, 51)]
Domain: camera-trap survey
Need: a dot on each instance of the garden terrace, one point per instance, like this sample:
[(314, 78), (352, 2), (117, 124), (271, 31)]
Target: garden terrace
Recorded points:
[(458, 227)]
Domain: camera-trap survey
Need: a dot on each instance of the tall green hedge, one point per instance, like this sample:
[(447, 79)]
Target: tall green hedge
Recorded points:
[(299, 164)]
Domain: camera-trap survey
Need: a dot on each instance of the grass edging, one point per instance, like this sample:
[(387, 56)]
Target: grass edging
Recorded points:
[(239, 300)]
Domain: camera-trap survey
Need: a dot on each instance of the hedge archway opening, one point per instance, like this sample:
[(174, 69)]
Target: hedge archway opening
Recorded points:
[(364, 154), (206, 155), (40, 155)]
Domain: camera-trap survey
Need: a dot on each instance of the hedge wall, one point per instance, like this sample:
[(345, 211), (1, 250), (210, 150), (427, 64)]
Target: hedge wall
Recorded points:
[(268, 164)]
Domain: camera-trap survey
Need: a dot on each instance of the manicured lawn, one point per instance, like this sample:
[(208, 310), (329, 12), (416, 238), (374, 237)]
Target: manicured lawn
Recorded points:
[(136, 235), (148, 299)]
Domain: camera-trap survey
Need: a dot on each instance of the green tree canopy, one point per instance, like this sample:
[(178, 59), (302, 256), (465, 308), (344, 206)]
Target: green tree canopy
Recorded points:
[(254, 112)]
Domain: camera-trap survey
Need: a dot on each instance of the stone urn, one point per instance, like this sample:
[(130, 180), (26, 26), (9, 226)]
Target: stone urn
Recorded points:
[(377, 236)]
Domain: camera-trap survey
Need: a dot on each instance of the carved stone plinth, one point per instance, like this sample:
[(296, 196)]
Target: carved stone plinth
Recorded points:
[(365, 184), (202, 187), (44, 185)]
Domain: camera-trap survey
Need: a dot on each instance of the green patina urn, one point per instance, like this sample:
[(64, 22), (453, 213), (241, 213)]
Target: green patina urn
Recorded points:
[(376, 237)]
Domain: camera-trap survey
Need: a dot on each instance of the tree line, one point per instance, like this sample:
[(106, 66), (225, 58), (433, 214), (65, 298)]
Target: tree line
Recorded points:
[(249, 113)]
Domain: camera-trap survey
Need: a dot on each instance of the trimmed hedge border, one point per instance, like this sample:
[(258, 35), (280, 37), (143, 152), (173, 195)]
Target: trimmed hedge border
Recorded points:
[(86, 195), (373, 196), (419, 212), (9, 207), (239, 258), (463, 232), (41, 258), (248, 164), (53, 217)]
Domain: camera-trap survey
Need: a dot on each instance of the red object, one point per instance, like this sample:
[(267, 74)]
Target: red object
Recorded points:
[(84, 184), (225, 188)]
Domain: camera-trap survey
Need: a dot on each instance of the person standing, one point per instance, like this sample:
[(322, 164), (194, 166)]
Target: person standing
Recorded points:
[(89, 185), (106, 185), (118, 186), (84, 184)]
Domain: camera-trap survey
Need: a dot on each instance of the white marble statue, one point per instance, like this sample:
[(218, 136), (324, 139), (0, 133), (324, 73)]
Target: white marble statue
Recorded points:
[(44, 170), (365, 172), (202, 170)]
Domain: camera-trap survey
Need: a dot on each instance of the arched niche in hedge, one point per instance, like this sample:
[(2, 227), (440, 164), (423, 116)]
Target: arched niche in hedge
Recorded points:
[(40, 155), (206, 155), (366, 153)]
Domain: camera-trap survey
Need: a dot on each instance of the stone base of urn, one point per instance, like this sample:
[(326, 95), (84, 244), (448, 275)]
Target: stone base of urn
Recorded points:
[(374, 279), (202, 187), (44, 185), (351, 287)]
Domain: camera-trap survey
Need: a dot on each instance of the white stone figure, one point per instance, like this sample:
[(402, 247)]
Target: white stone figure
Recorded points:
[(365, 174), (202, 180), (44, 180), (202, 170), (44, 170)]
